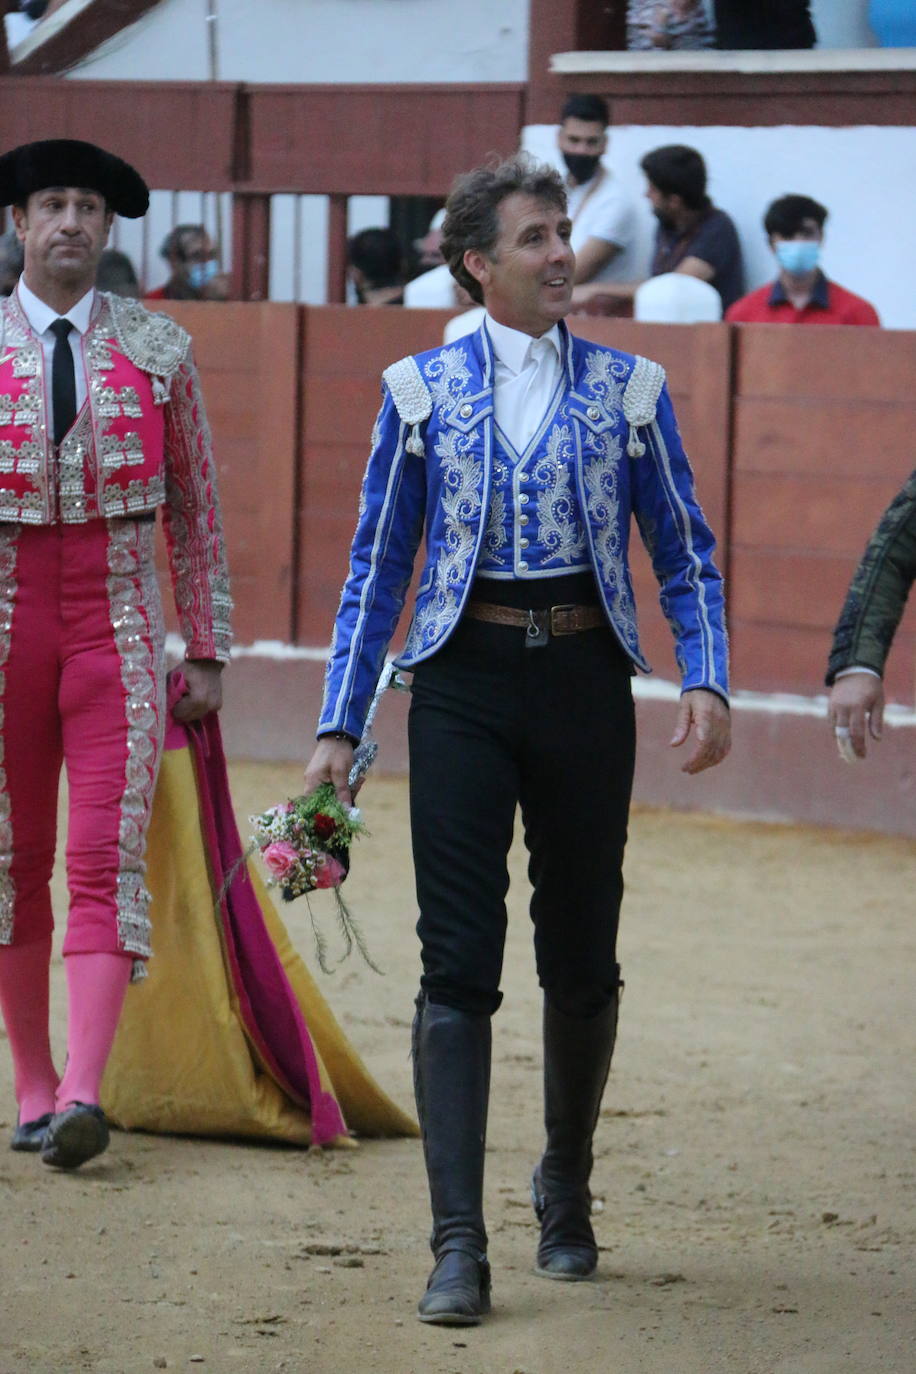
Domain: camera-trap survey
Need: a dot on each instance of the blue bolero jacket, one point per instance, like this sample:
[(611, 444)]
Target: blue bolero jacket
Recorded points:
[(430, 472)]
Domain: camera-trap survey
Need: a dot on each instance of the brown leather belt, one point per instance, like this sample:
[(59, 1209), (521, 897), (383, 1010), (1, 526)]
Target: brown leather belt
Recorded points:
[(554, 620)]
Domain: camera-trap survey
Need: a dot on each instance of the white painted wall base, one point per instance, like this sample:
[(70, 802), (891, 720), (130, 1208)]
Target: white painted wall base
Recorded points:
[(783, 766)]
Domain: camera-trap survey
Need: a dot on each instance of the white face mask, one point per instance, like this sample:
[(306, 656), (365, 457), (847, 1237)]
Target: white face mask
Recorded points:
[(798, 256), (199, 273)]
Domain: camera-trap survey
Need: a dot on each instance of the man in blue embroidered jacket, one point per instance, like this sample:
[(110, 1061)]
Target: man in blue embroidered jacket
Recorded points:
[(522, 453)]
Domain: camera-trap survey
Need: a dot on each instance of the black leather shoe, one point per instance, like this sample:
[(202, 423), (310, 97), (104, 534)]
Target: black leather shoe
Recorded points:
[(567, 1248), (78, 1133), (30, 1135), (458, 1292)]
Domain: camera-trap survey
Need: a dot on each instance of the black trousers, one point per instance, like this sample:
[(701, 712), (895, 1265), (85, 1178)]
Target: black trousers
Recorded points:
[(494, 724)]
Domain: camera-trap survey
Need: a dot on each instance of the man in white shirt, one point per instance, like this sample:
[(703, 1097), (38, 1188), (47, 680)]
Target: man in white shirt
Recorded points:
[(101, 421), (520, 453), (603, 220)]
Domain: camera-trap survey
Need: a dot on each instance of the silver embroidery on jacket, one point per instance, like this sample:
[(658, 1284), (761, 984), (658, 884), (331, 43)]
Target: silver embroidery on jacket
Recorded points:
[(605, 375), (31, 507), (601, 458), (560, 531), (448, 376), (154, 342), (136, 618), (9, 537), (462, 483)]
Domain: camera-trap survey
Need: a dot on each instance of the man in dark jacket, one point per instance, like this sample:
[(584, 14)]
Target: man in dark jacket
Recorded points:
[(868, 622)]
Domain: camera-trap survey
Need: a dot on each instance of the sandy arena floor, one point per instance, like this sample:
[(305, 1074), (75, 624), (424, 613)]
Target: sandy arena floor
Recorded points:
[(755, 1158)]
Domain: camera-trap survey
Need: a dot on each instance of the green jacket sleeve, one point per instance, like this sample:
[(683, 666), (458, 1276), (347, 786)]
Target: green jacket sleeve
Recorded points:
[(879, 589)]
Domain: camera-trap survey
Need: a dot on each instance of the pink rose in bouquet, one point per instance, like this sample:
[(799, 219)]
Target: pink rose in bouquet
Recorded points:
[(280, 858), (330, 872)]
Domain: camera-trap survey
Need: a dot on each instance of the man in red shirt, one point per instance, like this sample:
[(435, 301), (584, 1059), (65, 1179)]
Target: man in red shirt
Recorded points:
[(801, 294)]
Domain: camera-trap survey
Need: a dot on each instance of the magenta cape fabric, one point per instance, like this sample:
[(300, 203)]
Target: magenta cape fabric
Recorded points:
[(270, 1011)]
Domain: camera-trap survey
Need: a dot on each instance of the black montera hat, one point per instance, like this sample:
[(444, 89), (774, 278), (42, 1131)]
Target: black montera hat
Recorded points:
[(70, 162)]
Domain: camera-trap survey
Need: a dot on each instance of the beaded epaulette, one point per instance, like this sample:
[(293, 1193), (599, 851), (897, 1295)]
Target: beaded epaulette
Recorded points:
[(412, 398), (153, 342), (640, 398)]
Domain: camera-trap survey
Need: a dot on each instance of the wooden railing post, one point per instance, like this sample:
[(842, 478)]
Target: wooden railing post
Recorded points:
[(337, 249), (251, 247)]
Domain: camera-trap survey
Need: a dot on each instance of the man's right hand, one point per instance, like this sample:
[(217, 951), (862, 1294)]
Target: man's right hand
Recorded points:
[(331, 762), (855, 709)]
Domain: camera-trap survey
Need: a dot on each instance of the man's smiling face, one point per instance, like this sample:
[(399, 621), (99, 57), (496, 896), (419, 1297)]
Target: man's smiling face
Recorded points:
[(527, 278)]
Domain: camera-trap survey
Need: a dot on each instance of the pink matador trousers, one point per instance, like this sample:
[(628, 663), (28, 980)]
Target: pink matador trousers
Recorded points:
[(81, 683)]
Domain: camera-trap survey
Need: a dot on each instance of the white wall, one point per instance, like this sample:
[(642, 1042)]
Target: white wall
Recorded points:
[(296, 41), (866, 177), (842, 24), (360, 40)]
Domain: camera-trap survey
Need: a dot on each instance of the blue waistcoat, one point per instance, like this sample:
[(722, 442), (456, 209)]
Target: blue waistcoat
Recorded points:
[(534, 527), (430, 473)]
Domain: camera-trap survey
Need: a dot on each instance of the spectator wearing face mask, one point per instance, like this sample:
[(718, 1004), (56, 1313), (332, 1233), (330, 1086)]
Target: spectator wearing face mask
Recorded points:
[(694, 237), (193, 266), (603, 219), (801, 294)]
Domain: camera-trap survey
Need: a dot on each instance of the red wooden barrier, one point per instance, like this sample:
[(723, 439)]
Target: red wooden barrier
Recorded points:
[(792, 482), (248, 360), (344, 353), (697, 359), (824, 421)]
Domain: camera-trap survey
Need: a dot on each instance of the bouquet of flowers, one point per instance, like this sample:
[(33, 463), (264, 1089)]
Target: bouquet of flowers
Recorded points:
[(305, 846)]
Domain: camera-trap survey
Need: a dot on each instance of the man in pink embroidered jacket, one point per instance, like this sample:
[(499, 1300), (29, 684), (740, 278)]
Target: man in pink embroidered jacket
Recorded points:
[(101, 421)]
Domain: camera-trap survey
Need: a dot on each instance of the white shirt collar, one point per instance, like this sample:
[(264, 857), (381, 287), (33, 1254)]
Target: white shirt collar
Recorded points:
[(40, 315), (513, 348)]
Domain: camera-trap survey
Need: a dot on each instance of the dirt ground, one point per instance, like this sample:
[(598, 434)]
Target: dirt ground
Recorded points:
[(755, 1163)]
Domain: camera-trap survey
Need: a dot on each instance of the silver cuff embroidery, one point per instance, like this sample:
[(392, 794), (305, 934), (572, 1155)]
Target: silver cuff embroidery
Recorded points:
[(136, 618)]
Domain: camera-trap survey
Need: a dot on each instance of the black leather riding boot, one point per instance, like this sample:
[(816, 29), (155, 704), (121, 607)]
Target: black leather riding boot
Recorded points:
[(451, 1062), (577, 1058)]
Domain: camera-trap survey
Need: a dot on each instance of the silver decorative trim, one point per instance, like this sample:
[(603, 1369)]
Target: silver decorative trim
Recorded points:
[(640, 399), (412, 399), (152, 341), (411, 395), (139, 634), (9, 547)]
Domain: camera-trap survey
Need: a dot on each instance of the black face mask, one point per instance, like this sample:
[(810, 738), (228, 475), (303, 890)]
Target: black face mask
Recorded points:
[(581, 166)]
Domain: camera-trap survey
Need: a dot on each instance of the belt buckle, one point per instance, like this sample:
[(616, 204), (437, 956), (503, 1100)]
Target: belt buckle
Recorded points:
[(537, 631), (555, 625)]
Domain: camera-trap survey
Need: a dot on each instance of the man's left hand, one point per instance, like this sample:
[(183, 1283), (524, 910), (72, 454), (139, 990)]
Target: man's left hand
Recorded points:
[(707, 714), (203, 680)]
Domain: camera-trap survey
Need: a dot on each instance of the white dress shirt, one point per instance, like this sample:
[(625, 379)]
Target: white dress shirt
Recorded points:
[(40, 316), (525, 379)]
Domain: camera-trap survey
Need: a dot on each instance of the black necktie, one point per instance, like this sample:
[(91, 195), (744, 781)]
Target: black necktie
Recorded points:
[(63, 380)]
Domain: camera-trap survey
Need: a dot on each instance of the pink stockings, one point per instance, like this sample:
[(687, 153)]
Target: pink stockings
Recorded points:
[(24, 1003), (96, 984), (81, 684)]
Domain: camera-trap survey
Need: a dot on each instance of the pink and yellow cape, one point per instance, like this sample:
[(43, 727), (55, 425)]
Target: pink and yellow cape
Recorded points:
[(229, 1034)]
